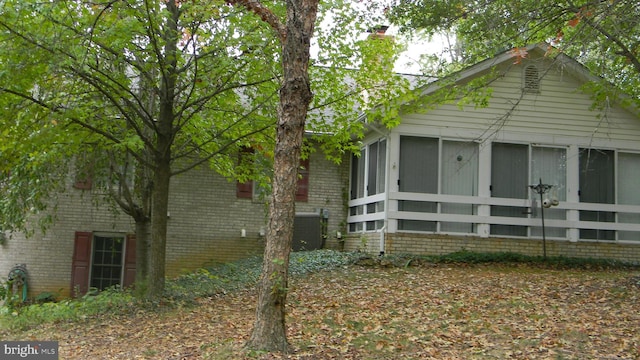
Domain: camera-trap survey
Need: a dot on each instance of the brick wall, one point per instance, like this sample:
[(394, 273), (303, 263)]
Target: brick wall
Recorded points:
[(328, 188), (431, 244), (204, 225), (48, 256)]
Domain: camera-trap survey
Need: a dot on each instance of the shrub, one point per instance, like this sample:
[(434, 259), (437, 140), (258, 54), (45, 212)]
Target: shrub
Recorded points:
[(242, 274), (305, 262), (8, 300), (469, 257)]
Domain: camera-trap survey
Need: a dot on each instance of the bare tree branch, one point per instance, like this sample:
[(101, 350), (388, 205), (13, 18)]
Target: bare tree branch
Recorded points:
[(256, 7)]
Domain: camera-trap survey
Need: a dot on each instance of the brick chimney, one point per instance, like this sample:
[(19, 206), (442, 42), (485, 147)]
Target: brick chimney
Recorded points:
[(379, 32)]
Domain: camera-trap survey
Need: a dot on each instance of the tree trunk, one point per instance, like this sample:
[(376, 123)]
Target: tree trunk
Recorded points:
[(144, 189), (160, 201), (269, 332), (143, 228), (165, 134), (158, 240)]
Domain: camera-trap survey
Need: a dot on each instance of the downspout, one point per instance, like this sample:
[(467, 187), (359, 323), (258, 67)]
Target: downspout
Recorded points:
[(382, 243)]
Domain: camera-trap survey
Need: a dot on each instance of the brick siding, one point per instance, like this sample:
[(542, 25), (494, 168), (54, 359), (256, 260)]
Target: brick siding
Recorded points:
[(431, 244), (204, 225)]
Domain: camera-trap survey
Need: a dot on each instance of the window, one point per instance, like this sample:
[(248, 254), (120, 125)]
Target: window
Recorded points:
[(302, 189), (628, 194), (377, 158), (531, 79), (84, 171), (368, 178), (516, 166), (609, 177), (244, 189), (103, 171), (418, 174), (376, 170), (248, 189), (434, 166), (357, 175), (357, 187), (106, 261), (101, 261), (372, 159)]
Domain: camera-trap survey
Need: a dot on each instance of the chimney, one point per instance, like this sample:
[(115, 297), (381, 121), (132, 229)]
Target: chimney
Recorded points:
[(377, 56), (379, 32)]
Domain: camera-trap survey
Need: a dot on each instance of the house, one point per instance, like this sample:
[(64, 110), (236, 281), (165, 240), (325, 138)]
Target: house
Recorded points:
[(454, 178), (210, 220), (446, 179)]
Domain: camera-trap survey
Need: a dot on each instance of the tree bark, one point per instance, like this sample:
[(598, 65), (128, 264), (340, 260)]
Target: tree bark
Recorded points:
[(164, 133), (157, 242), (143, 229), (269, 332)]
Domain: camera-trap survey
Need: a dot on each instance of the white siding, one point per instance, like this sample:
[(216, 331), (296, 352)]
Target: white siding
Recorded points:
[(559, 114)]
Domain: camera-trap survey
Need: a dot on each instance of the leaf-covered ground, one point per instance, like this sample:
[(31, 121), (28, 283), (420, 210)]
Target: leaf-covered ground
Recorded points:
[(426, 312)]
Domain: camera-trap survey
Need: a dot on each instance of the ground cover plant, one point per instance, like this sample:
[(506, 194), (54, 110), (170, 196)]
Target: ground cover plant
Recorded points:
[(399, 308)]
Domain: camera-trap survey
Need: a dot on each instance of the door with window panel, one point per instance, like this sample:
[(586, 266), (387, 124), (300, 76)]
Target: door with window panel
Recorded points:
[(597, 185), (549, 165), (459, 165), (509, 179)]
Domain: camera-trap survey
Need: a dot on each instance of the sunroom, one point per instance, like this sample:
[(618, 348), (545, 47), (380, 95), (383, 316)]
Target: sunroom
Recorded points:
[(412, 183), (539, 162)]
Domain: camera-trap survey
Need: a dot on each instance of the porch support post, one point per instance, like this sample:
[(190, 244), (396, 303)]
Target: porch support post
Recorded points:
[(484, 184), (573, 186), (393, 149)]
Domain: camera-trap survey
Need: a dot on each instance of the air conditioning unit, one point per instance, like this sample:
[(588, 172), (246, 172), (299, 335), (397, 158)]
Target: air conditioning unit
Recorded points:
[(307, 231)]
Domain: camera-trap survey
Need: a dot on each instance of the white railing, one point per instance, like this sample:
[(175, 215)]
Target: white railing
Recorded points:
[(482, 212), (363, 203)]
